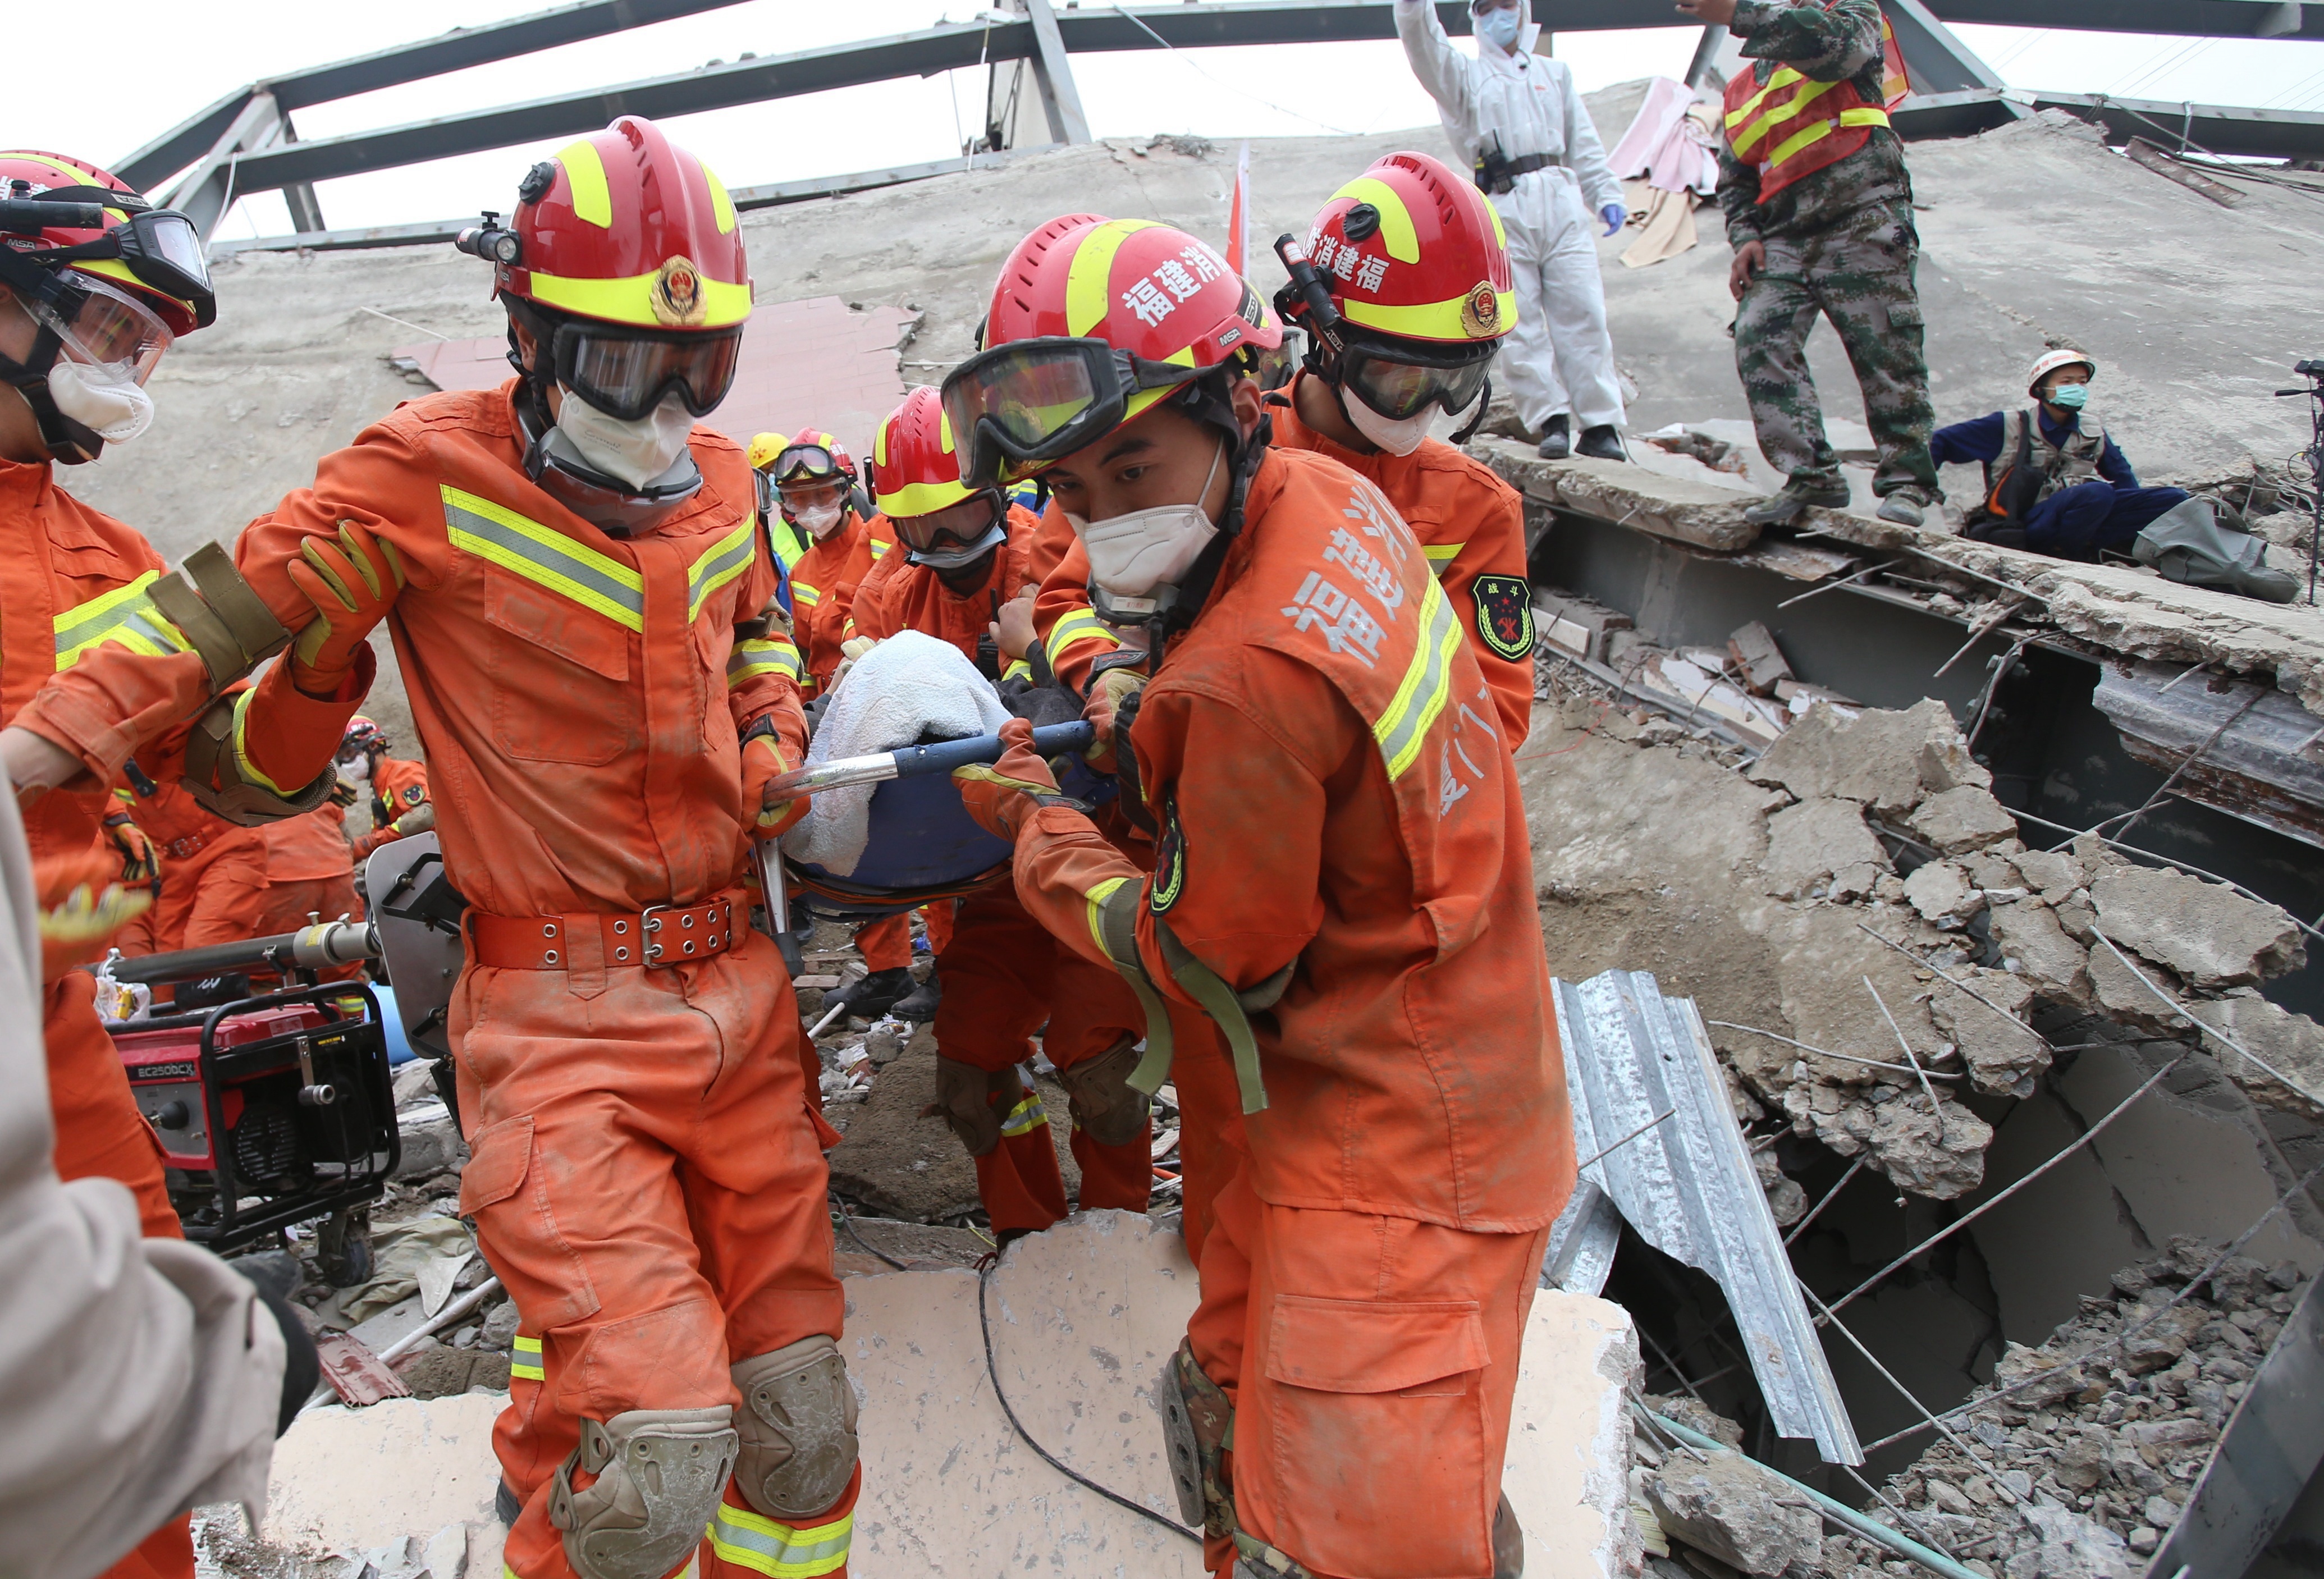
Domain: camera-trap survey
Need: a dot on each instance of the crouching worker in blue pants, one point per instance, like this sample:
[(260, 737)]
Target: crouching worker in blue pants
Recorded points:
[(2055, 483)]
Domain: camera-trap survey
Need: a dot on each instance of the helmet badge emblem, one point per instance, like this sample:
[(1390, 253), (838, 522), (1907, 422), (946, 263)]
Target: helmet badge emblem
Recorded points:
[(1481, 314), (676, 293)]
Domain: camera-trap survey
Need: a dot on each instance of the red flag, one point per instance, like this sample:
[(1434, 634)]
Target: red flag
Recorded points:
[(1239, 213)]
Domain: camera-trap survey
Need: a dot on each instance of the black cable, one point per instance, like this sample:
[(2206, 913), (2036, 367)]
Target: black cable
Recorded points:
[(847, 1219), (993, 1369)]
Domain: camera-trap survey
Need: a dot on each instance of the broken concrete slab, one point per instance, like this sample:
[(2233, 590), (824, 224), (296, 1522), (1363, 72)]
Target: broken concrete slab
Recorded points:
[(1726, 1505), (2293, 1044), (1822, 845), (1890, 762), (1943, 894), (1963, 818), (360, 1478), (1702, 514), (2205, 931), (2000, 1052), (2032, 944)]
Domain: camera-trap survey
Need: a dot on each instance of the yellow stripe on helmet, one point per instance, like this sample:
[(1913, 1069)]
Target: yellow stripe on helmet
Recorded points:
[(630, 300), (722, 206), (1434, 320), (1396, 231), (1089, 283), (593, 196)]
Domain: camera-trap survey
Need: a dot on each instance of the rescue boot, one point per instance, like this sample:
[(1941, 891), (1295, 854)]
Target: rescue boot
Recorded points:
[(1555, 442), (1905, 507), (1783, 508), (919, 1004), (1508, 1542), (1601, 443), (871, 997)]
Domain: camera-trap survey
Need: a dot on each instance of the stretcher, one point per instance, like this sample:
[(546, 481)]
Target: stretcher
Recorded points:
[(924, 847)]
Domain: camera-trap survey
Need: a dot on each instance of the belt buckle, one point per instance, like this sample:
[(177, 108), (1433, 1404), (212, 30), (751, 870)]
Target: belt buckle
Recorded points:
[(692, 944)]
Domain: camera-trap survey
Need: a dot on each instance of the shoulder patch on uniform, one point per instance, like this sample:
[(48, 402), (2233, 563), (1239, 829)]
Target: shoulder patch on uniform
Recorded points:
[(1169, 860), (413, 794), (1504, 615)]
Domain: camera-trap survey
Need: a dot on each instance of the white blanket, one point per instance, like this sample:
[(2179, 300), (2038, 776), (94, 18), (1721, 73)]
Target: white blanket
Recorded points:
[(908, 686)]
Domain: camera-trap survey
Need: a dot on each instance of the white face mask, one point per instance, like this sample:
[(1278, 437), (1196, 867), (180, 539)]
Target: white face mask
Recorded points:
[(357, 771), (113, 407), (1131, 555), (818, 521), (637, 452), (1395, 438)]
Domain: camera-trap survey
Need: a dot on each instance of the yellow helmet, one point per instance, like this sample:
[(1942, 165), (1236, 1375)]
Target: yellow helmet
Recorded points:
[(765, 448)]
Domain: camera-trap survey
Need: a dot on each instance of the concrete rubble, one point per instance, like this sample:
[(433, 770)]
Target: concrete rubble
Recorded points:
[(1855, 892), (2075, 1460)]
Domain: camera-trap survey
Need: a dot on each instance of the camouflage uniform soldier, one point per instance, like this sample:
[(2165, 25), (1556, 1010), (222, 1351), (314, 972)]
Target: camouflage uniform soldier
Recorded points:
[(1819, 210)]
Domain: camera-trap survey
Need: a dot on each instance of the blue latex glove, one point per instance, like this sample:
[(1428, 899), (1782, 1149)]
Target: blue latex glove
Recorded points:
[(1615, 216)]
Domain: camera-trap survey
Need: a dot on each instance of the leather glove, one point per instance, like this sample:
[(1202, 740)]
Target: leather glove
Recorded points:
[(82, 909), (1615, 216), (140, 863), (1112, 689), (763, 758), (1001, 796), (352, 581)]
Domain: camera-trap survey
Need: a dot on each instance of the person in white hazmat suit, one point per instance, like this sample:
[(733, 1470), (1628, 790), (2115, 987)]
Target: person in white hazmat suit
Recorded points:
[(1515, 120)]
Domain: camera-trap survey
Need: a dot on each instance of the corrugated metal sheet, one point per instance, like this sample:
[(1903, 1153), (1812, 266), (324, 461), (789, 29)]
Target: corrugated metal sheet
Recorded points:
[(1687, 1185)]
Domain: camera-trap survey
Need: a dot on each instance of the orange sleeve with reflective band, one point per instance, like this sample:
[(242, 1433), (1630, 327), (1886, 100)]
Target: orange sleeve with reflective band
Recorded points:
[(1495, 549), (1072, 635)]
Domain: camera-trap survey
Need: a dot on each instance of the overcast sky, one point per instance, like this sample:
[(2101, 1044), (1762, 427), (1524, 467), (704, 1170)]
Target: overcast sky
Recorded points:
[(188, 60)]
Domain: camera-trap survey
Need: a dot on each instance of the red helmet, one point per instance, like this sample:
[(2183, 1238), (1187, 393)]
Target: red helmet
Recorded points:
[(151, 254), (361, 734), (626, 259), (1410, 251), (626, 227), (916, 470), (811, 456), (1093, 322)]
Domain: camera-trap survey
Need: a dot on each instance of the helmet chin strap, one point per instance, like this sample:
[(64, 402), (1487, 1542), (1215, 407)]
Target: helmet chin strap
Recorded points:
[(69, 442)]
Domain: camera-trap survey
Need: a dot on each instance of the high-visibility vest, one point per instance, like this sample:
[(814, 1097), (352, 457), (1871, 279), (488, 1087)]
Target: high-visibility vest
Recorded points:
[(1794, 125)]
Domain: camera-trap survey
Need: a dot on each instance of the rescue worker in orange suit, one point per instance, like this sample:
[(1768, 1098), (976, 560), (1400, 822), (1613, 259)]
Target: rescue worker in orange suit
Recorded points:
[(213, 871), (1406, 248), (1003, 974), (1343, 883), (398, 788), (574, 578), (813, 488), (309, 874), (85, 314), (141, 868)]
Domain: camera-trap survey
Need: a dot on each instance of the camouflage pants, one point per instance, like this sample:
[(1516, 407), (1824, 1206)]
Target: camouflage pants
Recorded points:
[(1859, 275)]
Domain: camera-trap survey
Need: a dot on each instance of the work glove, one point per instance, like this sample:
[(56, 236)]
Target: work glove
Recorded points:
[(82, 909), (140, 863), (1000, 796), (352, 580), (1013, 632), (854, 647), (763, 758), (1107, 694), (1615, 216)]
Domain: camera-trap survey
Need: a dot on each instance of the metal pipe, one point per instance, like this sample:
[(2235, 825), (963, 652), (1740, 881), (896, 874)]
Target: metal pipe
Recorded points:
[(913, 760), (1838, 1513), (317, 947)]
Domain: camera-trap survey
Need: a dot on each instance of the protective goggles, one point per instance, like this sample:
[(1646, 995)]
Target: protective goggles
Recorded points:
[(1398, 386), (1021, 408), (963, 525), (159, 247), (89, 321), (627, 372), (805, 463)]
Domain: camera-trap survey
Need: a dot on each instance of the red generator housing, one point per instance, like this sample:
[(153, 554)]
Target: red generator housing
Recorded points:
[(271, 1110)]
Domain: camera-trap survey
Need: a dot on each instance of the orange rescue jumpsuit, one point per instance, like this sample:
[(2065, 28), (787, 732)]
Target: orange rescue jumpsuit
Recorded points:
[(1004, 973), (1471, 527), (824, 580), (397, 786), (647, 1175), (66, 575), (310, 871), (1337, 802), (213, 872)]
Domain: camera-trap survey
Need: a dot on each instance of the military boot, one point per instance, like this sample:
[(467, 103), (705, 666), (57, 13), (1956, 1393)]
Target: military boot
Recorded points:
[(1783, 508)]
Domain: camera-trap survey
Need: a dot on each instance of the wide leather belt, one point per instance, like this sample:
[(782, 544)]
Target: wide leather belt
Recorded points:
[(658, 936)]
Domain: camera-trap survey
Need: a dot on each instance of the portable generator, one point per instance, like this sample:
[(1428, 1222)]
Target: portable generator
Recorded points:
[(271, 1109)]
